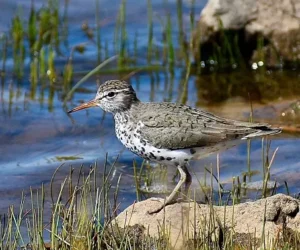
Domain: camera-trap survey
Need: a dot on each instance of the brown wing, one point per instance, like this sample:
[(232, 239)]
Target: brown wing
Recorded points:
[(172, 126)]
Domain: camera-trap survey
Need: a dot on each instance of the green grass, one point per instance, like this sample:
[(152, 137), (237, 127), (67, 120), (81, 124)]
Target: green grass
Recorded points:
[(79, 215), (42, 30)]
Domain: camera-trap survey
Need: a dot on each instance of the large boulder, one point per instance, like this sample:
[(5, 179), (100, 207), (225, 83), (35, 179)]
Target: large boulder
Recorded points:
[(277, 22), (182, 221)]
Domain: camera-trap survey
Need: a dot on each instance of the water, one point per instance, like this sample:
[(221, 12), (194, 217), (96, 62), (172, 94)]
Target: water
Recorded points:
[(37, 135)]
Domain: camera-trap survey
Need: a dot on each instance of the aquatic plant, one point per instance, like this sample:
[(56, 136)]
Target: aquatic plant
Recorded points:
[(81, 216)]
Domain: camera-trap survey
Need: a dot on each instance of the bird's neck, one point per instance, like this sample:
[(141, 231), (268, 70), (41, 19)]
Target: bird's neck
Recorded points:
[(125, 114)]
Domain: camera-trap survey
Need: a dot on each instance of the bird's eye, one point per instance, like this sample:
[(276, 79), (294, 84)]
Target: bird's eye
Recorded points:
[(111, 94)]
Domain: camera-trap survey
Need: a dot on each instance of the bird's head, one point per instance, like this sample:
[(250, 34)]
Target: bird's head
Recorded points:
[(112, 96)]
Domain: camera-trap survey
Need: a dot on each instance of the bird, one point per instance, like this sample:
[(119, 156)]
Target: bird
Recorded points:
[(170, 133)]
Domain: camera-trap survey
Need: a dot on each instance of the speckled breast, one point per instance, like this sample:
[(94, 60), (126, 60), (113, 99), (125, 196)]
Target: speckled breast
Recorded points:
[(129, 134)]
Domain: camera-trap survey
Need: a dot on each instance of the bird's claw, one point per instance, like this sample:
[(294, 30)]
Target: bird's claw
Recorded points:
[(157, 210)]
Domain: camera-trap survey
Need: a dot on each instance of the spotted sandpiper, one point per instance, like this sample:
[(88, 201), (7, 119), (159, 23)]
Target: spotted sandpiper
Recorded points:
[(170, 133)]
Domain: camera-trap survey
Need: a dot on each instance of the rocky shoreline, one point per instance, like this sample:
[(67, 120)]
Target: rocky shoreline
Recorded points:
[(269, 219), (275, 23)]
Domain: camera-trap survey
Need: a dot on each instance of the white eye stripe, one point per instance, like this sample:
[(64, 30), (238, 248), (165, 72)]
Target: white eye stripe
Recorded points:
[(116, 91)]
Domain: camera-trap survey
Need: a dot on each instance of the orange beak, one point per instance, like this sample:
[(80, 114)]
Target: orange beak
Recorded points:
[(85, 105)]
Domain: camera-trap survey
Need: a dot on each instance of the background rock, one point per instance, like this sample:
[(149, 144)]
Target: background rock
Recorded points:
[(278, 22), (182, 221)]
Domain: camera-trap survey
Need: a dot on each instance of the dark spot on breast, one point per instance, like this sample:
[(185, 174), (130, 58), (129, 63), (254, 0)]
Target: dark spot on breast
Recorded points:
[(192, 151), (169, 158), (158, 151), (135, 147), (143, 149), (143, 142), (152, 155), (186, 159), (162, 158)]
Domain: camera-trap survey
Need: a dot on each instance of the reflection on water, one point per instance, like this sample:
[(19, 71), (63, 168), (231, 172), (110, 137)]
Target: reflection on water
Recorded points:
[(261, 86), (37, 135)]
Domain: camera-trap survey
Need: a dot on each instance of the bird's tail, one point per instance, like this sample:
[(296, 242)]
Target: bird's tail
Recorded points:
[(262, 131)]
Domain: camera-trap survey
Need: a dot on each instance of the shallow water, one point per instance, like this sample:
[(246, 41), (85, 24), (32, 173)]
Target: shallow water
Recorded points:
[(37, 135)]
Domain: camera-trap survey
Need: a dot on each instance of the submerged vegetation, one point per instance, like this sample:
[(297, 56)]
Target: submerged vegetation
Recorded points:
[(42, 53), (43, 40), (82, 213)]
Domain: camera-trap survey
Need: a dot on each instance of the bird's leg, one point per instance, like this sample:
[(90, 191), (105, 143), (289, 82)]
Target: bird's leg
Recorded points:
[(187, 184), (188, 180), (169, 199)]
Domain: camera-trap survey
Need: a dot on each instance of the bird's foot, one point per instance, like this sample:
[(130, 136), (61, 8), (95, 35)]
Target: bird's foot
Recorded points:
[(165, 203), (157, 210), (160, 200), (161, 206)]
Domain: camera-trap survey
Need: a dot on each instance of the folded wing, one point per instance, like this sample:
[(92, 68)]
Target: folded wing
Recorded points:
[(167, 125)]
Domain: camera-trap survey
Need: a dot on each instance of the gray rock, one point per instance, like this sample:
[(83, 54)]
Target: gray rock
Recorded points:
[(277, 21)]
